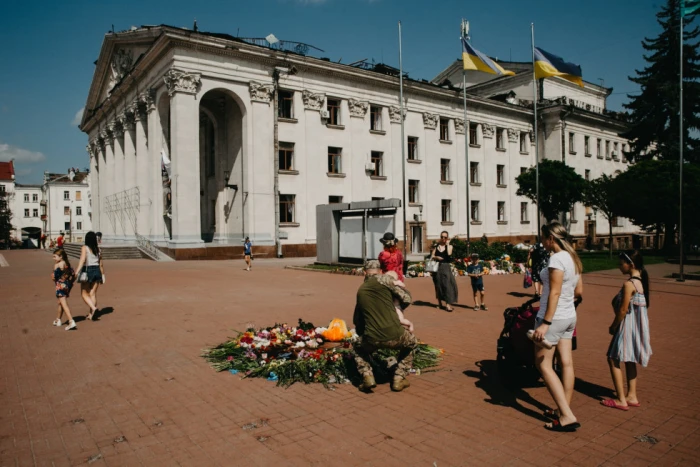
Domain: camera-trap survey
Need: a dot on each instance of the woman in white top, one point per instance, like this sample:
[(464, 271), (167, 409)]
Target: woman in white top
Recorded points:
[(90, 272), (556, 322)]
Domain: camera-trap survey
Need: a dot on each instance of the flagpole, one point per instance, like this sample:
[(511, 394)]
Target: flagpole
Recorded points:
[(466, 141), (403, 158), (680, 165), (537, 146)]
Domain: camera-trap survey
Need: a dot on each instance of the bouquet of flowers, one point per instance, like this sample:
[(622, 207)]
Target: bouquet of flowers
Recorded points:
[(290, 354)]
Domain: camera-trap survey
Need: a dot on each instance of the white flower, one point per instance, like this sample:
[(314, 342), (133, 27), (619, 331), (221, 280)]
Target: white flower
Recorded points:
[(300, 344), (288, 342), (244, 345), (319, 340), (312, 344), (319, 330)]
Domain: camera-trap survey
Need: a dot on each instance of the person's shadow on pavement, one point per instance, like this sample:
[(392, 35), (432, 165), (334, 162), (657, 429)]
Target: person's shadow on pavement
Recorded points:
[(102, 311), (490, 382)]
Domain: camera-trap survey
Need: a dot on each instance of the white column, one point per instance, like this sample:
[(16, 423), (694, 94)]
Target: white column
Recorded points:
[(94, 200), (141, 172), (153, 194), (184, 140), (127, 177), (118, 181), (109, 219)]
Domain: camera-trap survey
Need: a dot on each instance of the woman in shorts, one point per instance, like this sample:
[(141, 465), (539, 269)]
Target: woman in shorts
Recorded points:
[(556, 321)]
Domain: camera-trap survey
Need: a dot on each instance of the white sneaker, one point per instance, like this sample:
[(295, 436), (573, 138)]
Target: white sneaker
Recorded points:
[(57, 322), (71, 325)]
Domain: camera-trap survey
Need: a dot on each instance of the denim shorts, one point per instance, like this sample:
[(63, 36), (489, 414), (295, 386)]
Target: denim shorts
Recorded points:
[(559, 329)]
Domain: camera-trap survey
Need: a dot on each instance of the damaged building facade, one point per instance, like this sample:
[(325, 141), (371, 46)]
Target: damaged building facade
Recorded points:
[(198, 140)]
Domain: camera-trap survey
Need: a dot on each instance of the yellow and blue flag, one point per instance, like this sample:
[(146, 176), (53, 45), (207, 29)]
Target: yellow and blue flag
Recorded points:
[(475, 60), (547, 64), (689, 7)]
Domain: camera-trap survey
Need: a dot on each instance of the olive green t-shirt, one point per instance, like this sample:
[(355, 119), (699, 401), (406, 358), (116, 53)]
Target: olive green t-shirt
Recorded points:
[(375, 315)]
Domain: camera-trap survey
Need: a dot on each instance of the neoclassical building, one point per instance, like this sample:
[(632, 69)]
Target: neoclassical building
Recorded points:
[(197, 140)]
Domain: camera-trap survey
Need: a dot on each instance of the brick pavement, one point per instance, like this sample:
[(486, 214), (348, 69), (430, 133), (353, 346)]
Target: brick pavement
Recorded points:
[(131, 388)]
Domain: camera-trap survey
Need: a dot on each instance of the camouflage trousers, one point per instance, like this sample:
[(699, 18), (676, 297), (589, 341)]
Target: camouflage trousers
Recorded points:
[(404, 344)]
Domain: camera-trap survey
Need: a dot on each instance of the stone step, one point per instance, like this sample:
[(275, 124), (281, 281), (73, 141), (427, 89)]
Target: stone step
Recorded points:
[(108, 252)]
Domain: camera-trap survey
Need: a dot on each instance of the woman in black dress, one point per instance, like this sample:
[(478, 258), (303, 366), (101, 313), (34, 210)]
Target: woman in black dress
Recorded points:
[(443, 279)]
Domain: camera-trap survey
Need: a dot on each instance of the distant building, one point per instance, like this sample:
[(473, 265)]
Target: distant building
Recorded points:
[(67, 205), (201, 139)]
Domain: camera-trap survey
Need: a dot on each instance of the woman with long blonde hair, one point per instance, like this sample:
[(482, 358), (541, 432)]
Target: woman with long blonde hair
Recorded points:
[(556, 321)]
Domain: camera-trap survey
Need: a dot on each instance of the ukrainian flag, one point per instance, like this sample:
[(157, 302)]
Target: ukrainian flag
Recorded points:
[(475, 60), (547, 65)]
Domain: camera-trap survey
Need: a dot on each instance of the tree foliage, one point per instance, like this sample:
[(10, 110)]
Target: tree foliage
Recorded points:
[(601, 194), (560, 187), (654, 123), (5, 219)]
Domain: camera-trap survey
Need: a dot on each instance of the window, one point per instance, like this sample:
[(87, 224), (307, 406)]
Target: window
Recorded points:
[(597, 149), (334, 159), (35, 198), (615, 153), (26, 197), (285, 104), (523, 170), (286, 156), (615, 221), (79, 226), (413, 192), (446, 210), (35, 213), (377, 158), (524, 137), (501, 175), (475, 211), (2, 188), (444, 170), (587, 145), (572, 143), (78, 196), (501, 211), (500, 144), (66, 210), (26, 213), (572, 214), (377, 198), (444, 129), (524, 212), (66, 195), (287, 208), (333, 107), (413, 148), (335, 199), (473, 133), (66, 226), (587, 175), (607, 150), (375, 118), (473, 172), (78, 210)]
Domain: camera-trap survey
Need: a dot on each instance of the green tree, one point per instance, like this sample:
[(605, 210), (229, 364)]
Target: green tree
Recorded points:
[(654, 130), (560, 188), (601, 194), (5, 219)]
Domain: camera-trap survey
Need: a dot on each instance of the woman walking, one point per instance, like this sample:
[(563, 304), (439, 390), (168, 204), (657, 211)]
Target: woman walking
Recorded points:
[(630, 330), (63, 277), (248, 253), (443, 279), (556, 321), (390, 259), (90, 272)]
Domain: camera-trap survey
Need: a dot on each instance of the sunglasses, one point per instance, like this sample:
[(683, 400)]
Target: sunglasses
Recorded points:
[(625, 257), (443, 237)]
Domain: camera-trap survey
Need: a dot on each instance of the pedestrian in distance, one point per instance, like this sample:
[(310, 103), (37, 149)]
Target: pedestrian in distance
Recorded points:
[(63, 277), (90, 273), (630, 330), (556, 322), (539, 258), (475, 271), (443, 279), (248, 253), (390, 258)]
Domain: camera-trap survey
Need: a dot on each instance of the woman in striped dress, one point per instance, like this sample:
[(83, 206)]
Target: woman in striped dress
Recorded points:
[(630, 331)]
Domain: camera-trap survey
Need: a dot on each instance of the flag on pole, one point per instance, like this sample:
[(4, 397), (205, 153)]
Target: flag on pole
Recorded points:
[(547, 64), (689, 7), (475, 60)]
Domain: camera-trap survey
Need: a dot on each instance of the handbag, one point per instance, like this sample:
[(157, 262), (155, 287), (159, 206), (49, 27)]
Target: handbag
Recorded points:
[(83, 277), (527, 280), (432, 266)]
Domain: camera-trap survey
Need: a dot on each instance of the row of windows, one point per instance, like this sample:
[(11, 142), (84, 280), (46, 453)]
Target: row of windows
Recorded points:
[(333, 116), (78, 210), (78, 195), (78, 226), (614, 155), (35, 198), (288, 208)]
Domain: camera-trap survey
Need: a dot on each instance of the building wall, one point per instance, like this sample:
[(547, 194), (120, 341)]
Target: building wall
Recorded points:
[(27, 209), (63, 207)]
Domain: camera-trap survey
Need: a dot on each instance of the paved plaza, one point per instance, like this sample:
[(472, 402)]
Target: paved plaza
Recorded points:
[(132, 389)]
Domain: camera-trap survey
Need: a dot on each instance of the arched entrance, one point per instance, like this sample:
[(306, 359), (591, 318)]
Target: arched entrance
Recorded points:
[(221, 167)]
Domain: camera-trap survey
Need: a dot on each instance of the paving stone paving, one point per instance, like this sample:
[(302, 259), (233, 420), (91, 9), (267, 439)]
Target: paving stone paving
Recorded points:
[(132, 389)]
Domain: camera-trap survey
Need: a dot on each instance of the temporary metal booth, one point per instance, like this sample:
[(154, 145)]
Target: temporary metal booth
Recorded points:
[(350, 232)]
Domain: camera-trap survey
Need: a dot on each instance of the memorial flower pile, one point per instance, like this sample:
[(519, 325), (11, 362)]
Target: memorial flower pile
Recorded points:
[(303, 353)]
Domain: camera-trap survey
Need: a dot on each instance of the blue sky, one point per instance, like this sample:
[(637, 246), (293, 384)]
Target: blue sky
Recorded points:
[(49, 48)]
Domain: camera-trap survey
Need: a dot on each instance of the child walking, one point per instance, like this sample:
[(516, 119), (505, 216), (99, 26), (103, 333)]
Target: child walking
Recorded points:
[(63, 276), (475, 271)]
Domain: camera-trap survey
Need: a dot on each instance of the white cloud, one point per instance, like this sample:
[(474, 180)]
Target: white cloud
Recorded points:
[(21, 156), (78, 117)]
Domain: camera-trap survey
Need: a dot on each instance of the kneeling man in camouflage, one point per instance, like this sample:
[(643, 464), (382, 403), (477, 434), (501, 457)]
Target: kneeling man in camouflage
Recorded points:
[(378, 326)]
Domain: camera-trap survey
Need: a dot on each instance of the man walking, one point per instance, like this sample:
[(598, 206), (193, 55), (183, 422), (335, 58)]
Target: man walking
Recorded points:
[(378, 326)]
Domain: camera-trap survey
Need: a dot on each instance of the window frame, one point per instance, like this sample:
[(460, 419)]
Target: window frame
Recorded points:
[(377, 159), (474, 178), (572, 143), (500, 140), (412, 153), (475, 208), (66, 195), (334, 111), (26, 197), (444, 127), (413, 191), (287, 200), (78, 210), (587, 145), (445, 170), (335, 159), (375, 118), (286, 150), (35, 212), (524, 140), (474, 131), (26, 212), (446, 210), (339, 199), (78, 226), (501, 211), (284, 97), (524, 212), (66, 210), (500, 175)]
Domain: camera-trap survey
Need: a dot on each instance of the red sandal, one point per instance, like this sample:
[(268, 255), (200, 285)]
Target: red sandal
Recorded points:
[(613, 405)]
